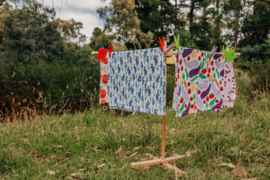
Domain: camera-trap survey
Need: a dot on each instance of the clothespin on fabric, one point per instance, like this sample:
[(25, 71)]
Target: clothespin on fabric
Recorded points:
[(224, 50), (161, 43), (102, 54), (110, 51), (177, 41), (229, 54), (213, 50)]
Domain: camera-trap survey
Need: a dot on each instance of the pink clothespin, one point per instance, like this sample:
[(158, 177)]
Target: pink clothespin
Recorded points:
[(110, 50), (161, 43)]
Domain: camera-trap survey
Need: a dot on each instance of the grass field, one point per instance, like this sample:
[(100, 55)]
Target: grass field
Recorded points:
[(85, 145)]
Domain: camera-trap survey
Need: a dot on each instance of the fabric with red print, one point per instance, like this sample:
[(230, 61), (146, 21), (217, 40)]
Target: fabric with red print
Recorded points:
[(230, 92), (199, 81)]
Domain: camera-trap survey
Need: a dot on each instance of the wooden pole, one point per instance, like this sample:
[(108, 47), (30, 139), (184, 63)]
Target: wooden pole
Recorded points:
[(164, 117), (94, 53), (235, 46)]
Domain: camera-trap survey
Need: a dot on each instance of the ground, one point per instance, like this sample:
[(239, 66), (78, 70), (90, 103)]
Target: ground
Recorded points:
[(98, 144)]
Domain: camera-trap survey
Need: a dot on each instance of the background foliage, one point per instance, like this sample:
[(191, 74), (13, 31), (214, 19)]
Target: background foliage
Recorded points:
[(46, 66)]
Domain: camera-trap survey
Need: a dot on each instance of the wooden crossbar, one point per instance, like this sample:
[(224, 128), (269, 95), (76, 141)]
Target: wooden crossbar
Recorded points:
[(147, 164), (168, 54), (169, 166), (94, 53), (170, 48)]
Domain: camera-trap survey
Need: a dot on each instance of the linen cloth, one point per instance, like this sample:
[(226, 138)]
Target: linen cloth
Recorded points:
[(137, 81), (199, 81), (230, 92), (103, 84)]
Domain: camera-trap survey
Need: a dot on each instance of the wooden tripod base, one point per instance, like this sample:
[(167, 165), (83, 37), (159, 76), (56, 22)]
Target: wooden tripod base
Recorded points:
[(165, 163)]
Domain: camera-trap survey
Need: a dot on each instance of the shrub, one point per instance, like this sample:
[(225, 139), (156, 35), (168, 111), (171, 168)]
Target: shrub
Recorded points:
[(47, 88), (257, 54)]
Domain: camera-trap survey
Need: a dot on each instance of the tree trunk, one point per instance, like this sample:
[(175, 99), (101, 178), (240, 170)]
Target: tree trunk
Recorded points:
[(191, 17), (2, 2), (175, 14), (236, 31), (162, 15)]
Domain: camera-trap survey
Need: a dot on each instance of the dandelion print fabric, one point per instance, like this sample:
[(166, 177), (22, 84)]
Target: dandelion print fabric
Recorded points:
[(103, 85), (230, 91), (137, 81), (199, 82)]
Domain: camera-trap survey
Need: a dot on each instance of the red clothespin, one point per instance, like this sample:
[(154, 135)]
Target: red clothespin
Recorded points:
[(161, 43), (110, 51), (102, 54)]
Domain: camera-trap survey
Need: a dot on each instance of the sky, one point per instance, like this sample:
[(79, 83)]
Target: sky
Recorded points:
[(84, 11), (80, 10)]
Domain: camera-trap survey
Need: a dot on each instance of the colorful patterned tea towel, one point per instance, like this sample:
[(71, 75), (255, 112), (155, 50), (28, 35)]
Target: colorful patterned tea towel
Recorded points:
[(137, 81), (230, 92), (103, 85), (199, 82)]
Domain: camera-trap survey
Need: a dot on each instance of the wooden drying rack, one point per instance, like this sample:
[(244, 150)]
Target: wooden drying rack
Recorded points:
[(164, 161)]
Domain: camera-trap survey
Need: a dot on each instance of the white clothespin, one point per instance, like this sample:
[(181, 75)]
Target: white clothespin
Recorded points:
[(214, 49)]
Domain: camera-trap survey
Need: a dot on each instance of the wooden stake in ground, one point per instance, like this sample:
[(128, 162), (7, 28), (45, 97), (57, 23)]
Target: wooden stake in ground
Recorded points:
[(164, 117)]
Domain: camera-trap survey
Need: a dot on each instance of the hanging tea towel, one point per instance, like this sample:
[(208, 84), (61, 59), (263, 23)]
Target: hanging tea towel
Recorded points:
[(230, 92), (103, 84), (199, 82), (137, 81)]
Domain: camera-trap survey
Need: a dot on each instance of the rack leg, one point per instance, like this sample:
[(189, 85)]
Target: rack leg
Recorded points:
[(163, 137)]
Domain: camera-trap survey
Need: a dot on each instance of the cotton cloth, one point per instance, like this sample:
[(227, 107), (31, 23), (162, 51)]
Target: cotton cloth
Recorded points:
[(230, 92), (137, 81), (199, 82), (103, 84)]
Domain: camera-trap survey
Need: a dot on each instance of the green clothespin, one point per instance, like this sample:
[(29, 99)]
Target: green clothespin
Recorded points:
[(177, 41), (229, 54)]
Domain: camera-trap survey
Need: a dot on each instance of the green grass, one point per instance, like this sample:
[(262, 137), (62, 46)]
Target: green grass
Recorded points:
[(239, 135), (72, 143)]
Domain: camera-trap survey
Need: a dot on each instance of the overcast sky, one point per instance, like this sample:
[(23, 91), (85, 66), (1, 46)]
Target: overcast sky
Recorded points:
[(80, 10), (84, 11)]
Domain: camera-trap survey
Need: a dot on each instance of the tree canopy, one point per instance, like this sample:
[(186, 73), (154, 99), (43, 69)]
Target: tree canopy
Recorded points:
[(137, 24), (237, 23)]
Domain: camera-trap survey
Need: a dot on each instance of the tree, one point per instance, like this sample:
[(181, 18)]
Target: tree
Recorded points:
[(159, 17), (13, 1), (233, 9), (30, 35), (70, 30), (193, 6), (203, 32), (256, 26), (122, 16), (185, 39), (100, 39)]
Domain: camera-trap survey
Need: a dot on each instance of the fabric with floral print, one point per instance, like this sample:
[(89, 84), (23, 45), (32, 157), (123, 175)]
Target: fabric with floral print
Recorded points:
[(230, 92), (199, 82), (137, 81), (103, 84)]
